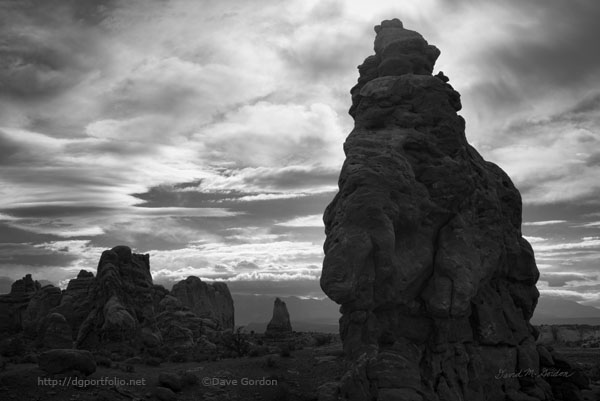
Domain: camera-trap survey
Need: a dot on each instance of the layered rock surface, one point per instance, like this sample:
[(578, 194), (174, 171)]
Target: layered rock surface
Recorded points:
[(280, 322), (424, 249), (119, 307), (13, 305), (211, 301)]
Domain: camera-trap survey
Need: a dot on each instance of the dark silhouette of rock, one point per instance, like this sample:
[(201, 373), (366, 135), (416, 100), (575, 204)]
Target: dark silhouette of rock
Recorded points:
[(67, 360), (179, 327), (38, 308), (118, 309), (280, 322), (56, 332), (124, 300), (77, 300), (170, 380), (14, 304), (424, 250), (212, 301)]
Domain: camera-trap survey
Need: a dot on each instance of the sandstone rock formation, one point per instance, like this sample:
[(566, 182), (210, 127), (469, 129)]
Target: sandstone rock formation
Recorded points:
[(77, 300), (38, 308), (211, 301), (280, 322), (424, 249), (124, 300), (14, 304), (119, 308)]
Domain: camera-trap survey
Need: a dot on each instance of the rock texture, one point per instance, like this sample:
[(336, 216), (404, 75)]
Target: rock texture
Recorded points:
[(280, 322), (424, 249), (13, 306), (38, 308), (118, 309), (123, 299), (77, 300), (211, 301)]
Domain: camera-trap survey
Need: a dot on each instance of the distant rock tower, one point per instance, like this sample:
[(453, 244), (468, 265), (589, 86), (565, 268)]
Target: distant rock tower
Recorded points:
[(280, 322), (424, 250)]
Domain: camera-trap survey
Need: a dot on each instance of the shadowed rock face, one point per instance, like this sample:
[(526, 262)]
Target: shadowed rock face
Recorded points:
[(13, 306), (424, 248), (280, 322), (77, 300), (124, 299), (119, 308), (206, 300)]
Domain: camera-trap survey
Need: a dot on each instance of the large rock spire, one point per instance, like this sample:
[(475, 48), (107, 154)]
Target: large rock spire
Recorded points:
[(424, 249)]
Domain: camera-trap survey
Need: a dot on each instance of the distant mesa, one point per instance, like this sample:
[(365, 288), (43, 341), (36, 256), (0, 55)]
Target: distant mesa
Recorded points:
[(424, 250), (280, 322), (119, 307)]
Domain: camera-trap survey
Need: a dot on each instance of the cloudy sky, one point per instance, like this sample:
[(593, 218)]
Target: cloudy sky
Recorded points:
[(209, 133)]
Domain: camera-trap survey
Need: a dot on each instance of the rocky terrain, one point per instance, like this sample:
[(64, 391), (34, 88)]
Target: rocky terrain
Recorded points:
[(424, 250), (118, 308), (117, 336)]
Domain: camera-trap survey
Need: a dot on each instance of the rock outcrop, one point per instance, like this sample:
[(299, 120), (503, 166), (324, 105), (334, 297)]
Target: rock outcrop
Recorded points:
[(38, 308), (118, 309), (280, 322), (124, 300), (14, 305), (56, 332), (77, 300), (212, 301), (424, 250)]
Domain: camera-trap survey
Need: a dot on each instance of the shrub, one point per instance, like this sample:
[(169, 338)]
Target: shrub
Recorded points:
[(258, 351), (322, 339), (188, 379), (284, 351), (236, 342), (270, 362)]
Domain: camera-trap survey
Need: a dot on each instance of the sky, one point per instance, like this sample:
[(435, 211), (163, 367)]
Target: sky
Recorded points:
[(209, 133)]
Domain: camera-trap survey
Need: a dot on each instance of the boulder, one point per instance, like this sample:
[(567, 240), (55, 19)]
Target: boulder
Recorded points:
[(164, 394), (119, 310), (123, 300), (280, 322), (67, 360), (170, 380), (424, 250), (211, 301), (77, 300)]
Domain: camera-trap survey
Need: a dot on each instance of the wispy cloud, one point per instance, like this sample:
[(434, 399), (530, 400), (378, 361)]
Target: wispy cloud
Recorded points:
[(210, 135)]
